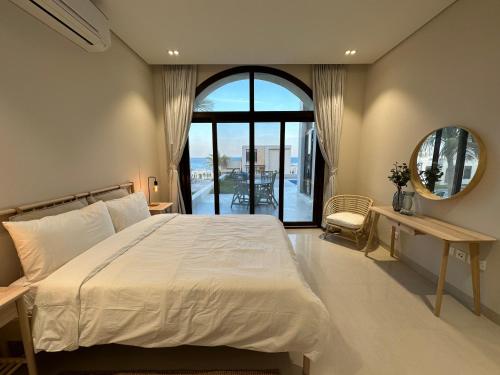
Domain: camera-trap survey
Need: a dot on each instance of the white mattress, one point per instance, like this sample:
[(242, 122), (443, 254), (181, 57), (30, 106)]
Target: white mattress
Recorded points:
[(175, 280)]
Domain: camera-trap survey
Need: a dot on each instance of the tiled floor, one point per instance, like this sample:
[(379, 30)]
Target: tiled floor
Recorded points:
[(382, 320), (381, 323)]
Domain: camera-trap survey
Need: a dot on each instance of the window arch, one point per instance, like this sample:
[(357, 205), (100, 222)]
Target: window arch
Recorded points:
[(231, 93), (271, 92), (252, 147)]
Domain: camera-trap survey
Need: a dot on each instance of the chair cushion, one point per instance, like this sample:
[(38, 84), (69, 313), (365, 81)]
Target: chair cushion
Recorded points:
[(346, 220)]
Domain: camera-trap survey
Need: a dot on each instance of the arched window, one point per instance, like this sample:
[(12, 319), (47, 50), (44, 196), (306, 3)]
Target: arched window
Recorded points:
[(252, 148), (271, 93), (227, 94)]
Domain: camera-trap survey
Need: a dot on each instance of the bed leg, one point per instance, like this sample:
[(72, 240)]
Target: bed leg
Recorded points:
[(306, 366)]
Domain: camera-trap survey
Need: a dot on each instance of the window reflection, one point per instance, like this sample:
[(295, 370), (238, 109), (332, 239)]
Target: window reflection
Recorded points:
[(447, 161)]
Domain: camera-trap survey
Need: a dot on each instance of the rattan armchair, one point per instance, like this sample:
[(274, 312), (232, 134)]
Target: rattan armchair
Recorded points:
[(357, 207)]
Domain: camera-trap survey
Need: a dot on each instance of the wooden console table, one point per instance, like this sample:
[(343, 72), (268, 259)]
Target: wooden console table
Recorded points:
[(446, 232)]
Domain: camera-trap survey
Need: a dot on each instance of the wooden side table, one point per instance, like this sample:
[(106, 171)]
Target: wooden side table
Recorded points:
[(12, 306), (160, 208)]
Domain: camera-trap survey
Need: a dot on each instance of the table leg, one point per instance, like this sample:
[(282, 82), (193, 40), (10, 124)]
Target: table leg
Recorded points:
[(474, 268), (306, 366), (373, 228), (393, 238), (24, 326), (442, 278)]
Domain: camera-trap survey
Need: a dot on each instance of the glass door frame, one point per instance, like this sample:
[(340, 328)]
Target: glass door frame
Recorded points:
[(251, 117)]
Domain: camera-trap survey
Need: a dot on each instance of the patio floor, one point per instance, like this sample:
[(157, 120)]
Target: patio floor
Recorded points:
[(297, 206)]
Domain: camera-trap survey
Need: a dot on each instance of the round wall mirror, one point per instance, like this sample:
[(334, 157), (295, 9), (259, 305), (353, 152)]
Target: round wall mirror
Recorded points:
[(447, 163)]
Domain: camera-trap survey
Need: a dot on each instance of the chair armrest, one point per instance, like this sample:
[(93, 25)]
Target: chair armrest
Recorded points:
[(327, 210)]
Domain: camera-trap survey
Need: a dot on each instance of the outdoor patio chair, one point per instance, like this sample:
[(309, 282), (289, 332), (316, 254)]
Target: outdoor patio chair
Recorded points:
[(349, 213), (241, 195), (271, 188), (264, 189)]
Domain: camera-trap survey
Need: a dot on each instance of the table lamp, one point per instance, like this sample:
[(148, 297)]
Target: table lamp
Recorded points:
[(155, 188)]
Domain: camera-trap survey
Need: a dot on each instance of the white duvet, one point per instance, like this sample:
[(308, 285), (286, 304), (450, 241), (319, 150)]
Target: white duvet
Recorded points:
[(183, 280)]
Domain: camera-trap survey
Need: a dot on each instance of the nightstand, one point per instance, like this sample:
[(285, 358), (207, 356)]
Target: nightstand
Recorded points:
[(12, 307), (160, 208)]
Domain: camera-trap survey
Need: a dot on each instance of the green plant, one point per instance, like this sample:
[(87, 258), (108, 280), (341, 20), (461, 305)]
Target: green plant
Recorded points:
[(206, 105), (448, 149), (430, 176), (400, 175), (223, 161)]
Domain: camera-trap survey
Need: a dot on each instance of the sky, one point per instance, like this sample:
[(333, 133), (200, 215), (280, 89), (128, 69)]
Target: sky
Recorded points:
[(234, 96)]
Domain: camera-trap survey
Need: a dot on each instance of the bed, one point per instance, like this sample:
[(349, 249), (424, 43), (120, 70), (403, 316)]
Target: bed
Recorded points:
[(171, 280)]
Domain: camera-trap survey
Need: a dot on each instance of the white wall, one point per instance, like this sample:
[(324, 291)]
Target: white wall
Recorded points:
[(351, 129), (447, 73), (70, 120)]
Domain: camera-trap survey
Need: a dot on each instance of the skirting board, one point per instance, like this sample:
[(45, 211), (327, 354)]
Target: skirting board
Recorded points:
[(451, 289)]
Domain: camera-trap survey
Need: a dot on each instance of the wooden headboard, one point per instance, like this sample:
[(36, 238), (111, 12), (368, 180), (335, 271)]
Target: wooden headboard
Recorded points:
[(10, 268)]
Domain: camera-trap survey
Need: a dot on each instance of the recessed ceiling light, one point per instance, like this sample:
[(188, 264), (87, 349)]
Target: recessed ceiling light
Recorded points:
[(348, 52), (176, 53), (353, 52), (170, 52)]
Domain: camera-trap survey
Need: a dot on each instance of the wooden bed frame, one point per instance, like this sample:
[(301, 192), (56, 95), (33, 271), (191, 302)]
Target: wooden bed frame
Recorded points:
[(6, 242)]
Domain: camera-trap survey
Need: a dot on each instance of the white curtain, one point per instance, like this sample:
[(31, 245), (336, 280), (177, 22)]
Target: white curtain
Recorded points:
[(179, 86), (328, 93)]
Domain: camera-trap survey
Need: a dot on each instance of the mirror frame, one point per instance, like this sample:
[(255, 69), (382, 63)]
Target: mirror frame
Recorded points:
[(420, 187)]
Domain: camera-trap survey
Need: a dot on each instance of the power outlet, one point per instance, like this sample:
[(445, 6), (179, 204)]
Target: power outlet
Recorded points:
[(460, 255), (464, 257), (482, 265)]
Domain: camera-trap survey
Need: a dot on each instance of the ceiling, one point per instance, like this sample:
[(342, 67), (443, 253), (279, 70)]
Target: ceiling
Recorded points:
[(266, 31)]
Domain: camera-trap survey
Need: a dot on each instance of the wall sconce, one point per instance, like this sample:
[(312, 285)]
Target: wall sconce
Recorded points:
[(155, 189)]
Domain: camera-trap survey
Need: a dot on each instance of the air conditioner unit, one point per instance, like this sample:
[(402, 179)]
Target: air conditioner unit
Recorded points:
[(78, 20)]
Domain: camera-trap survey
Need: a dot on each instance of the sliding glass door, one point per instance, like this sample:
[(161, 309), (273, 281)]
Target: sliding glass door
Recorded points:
[(233, 169), (201, 169), (300, 139), (267, 160), (252, 148)]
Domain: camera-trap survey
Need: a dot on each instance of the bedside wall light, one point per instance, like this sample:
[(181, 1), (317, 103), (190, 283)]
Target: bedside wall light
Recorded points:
[(155, 189)]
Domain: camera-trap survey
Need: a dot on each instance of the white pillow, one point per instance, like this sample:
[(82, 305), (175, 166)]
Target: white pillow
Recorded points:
[(128, 210), (46, 244)]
